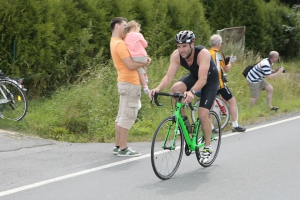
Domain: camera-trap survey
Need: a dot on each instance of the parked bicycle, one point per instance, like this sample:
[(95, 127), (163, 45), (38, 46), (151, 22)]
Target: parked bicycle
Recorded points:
[(13, 100), (168, 140), (220, 107)]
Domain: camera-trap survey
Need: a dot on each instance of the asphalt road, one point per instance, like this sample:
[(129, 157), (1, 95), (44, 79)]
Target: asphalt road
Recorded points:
[(262, 163)]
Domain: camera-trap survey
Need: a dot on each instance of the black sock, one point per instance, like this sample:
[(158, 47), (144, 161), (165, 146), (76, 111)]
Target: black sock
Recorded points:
[(123, 149), (117, 147)]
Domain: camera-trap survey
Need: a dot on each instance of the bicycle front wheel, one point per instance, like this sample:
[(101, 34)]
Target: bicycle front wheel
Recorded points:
[(166, 149), (13, 101), (215, 140)]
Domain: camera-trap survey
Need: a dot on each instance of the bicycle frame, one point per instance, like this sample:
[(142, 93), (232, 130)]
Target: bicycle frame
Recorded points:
[(222, 108), (190, 142), (6, 100)]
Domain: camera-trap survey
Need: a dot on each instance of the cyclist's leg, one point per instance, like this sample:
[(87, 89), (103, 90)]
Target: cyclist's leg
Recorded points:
[(205, 124), (208, 95), (184, 84), (227, 95), (210, 118)]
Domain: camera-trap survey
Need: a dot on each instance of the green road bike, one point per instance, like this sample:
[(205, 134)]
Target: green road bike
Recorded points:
[(172, 137)]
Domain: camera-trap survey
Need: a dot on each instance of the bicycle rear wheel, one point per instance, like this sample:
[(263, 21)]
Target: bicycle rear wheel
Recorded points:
[(222, 109), (215, 140), (166, 149), (13, 101), (194, 113)]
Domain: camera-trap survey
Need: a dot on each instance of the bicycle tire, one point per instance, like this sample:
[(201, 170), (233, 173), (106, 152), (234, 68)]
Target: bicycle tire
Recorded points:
[(13, 101), (194, 113), (215, 140), (222, 109), (165, 161)]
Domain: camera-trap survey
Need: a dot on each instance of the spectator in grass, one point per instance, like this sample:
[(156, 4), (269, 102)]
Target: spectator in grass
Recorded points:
[(256, 79)]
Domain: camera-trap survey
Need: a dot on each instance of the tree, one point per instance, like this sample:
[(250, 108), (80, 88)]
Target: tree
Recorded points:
[(231, 13)]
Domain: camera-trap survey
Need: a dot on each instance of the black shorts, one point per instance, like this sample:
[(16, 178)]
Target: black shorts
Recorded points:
[(225, 93), (208, 92)]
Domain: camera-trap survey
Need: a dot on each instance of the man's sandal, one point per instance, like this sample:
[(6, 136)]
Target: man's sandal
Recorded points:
[(274, 108)]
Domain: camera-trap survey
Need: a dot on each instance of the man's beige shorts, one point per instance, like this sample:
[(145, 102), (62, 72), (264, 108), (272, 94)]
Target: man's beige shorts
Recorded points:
[(129, 104), (256, 88)]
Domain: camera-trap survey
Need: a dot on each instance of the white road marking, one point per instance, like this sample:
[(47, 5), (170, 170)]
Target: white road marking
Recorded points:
[(262, 126), (60, 178)]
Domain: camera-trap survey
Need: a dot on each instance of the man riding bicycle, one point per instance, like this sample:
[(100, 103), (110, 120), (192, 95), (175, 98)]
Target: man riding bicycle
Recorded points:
[(203, 75)]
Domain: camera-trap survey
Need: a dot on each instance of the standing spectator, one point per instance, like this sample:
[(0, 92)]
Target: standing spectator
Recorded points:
[(129, 87), (256, 79), (136, 45), (219, 58)]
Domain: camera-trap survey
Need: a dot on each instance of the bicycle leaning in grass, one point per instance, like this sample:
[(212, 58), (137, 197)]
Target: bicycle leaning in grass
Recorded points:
[(13, 100), (171, 134)]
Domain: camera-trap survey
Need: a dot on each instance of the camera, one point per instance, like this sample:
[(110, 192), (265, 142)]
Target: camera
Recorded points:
[(279, 68), (283, 70)]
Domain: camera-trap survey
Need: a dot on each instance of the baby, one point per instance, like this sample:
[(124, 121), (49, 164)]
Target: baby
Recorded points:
[(136, 45)]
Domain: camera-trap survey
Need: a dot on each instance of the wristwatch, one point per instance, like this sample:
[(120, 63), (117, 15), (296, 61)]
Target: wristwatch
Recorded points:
[(193, 91)]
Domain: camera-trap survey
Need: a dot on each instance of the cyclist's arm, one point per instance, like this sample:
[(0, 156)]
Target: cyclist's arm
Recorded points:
[(173, 67)]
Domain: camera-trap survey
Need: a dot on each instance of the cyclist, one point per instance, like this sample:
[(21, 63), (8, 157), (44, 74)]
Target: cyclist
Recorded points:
[(219, 58), (203, 75)]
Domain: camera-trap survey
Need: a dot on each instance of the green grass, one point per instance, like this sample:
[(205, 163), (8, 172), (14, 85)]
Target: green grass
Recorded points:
[(85, 112)]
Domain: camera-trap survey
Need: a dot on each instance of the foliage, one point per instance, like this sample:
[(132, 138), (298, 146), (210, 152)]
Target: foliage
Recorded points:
[(85, 112), (291, 41), (231, 13), (52, 43)]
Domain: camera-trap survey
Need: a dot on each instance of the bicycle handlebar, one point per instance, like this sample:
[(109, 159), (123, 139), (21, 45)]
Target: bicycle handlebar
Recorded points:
[(174, 95)]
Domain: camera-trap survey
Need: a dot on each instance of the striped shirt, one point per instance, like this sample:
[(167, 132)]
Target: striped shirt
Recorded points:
[(259, 71)]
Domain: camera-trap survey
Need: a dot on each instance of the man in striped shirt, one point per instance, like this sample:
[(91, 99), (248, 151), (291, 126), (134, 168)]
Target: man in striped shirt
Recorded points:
[(256, 78)]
